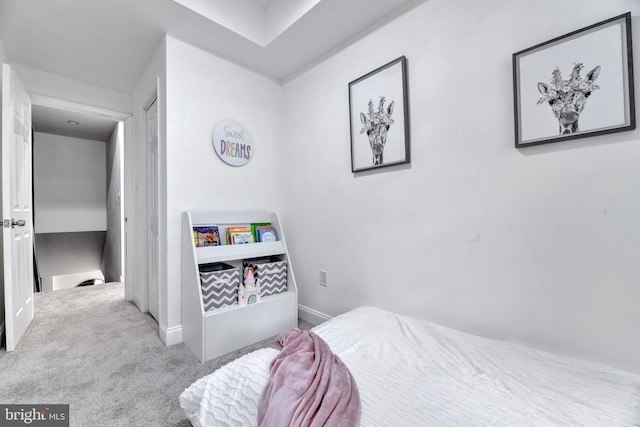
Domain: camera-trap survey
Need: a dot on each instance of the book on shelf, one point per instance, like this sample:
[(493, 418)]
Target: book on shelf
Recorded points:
[(240, 238), (255, 225), (239, 235), (266, 234), (206, 235)]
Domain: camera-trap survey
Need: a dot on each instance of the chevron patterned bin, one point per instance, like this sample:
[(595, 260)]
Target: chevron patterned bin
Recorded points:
[(272, 276), (219, 284)]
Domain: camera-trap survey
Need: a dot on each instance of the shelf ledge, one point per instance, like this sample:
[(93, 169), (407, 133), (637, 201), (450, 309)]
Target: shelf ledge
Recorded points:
[(223, 253)]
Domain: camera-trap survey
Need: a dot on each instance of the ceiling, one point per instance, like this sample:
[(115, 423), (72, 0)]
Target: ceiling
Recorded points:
[(263, 3), (57, 121), (109, 43)]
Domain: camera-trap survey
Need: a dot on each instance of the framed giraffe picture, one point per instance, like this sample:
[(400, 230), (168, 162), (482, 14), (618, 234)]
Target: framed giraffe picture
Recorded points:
[(575, 86), (379, 117)]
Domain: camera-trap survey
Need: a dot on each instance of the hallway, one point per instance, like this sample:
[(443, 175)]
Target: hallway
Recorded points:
[(90, 348)]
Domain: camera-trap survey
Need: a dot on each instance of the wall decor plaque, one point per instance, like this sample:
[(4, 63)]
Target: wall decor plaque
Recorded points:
[(233, 143)]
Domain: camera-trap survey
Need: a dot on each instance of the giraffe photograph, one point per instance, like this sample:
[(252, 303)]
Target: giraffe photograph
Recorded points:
[(576, 85), (379, 117)]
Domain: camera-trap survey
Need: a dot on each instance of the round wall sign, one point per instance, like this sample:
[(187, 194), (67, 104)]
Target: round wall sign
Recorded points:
[(233, 143)]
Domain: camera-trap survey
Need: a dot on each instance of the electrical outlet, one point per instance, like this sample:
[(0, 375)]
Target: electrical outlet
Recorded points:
[(323, 278)]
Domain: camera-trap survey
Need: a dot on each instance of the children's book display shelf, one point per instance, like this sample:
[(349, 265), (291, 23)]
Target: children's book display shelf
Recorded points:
[(210, 334)]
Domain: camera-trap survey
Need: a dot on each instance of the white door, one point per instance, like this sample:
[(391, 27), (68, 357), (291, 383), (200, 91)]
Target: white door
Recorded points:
[(17, 230), (153, 265)]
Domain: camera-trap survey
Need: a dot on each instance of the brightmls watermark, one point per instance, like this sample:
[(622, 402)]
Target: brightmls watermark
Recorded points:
[(34, 415)]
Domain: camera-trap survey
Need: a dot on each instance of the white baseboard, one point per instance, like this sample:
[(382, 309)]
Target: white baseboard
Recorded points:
[(312, 316), (171, 336)]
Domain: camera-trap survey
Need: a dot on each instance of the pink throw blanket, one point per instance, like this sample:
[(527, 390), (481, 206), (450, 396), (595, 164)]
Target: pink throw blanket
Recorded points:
[(308, 386)]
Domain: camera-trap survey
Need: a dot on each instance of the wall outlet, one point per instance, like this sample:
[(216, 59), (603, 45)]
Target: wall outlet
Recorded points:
[(323, 278)]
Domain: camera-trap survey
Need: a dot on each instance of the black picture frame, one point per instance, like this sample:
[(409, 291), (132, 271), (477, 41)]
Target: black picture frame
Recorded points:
[(379, 117), (590, 91)]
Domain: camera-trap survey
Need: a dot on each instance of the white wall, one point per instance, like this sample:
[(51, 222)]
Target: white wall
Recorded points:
[(69, 184), (538, 245), (203, 89), (67, 259), (3, 54), (41, 83), (68, 253), (112, 255), (128, 201)]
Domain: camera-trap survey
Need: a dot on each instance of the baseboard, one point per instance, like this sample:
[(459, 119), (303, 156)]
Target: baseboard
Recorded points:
[(171, 336), (312, 316)]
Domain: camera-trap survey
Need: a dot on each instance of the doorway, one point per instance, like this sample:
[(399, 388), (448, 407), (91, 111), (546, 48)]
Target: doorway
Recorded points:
[(23, 115), (78, 171)]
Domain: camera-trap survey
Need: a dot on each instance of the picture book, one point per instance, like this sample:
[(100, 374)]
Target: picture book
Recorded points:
[(255, 225), (240, 238), (266, 234), (206, 236), (239, 235)]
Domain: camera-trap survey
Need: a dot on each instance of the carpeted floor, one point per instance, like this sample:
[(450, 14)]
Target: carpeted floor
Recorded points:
[(90, 348)]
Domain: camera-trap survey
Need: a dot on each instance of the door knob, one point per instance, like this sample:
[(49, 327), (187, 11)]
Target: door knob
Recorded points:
[(19, 223)]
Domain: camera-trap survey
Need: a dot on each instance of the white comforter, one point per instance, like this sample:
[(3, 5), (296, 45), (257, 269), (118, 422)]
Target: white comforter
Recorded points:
[(414, 373)]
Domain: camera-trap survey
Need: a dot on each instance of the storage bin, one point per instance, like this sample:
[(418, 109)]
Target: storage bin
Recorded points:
[(272, 274), (219, 283)]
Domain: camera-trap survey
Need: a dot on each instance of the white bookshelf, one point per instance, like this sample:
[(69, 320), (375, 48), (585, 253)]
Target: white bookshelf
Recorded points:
[(209, 334)]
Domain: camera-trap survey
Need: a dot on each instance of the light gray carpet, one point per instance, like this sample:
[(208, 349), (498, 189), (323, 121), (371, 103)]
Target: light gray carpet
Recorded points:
[(90, 348)]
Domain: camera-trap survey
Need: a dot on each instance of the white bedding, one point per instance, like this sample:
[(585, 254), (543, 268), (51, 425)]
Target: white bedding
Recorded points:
[(414, 373)]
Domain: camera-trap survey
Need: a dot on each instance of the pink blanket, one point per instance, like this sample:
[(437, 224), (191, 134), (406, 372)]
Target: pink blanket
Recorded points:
[(308, 386)]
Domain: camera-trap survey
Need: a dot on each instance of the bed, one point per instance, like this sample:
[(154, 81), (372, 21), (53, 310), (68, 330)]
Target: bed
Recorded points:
[(414, 373)]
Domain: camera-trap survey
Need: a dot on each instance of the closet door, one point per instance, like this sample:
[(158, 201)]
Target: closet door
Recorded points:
[(153, 256)]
